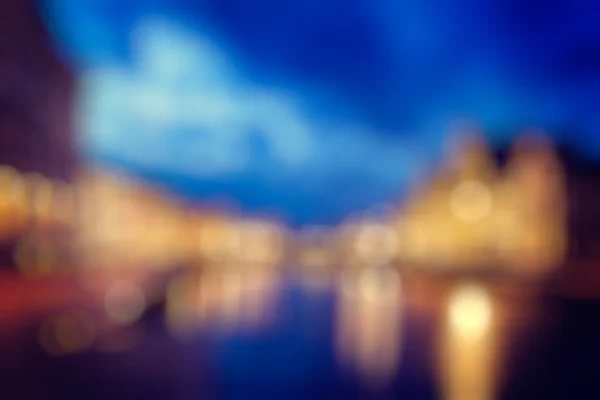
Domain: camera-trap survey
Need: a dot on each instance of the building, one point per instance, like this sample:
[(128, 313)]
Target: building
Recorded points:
[(36, 133), (474, 216)]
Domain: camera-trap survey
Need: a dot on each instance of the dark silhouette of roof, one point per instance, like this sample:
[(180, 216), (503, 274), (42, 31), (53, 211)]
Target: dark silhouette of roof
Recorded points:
[(36, 133)]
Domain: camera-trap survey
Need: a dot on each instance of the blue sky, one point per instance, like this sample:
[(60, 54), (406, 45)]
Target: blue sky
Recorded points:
[(317, 108)]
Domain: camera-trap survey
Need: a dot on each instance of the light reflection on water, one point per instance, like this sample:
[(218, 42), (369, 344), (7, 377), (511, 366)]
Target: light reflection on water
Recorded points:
[(384, 322), (224, 299), (473, 322), (369, 322)]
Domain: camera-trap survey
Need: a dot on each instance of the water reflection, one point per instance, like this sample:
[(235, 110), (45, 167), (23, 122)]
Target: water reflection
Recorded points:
[(391, 324), (468, 346), (378, 310), (225, 299), (369, 322)]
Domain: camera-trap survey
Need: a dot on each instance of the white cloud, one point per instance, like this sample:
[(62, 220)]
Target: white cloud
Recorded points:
[(183, 107), (182, 82)]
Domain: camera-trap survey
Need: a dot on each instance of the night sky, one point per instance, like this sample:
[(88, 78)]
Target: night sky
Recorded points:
[(317, 108)]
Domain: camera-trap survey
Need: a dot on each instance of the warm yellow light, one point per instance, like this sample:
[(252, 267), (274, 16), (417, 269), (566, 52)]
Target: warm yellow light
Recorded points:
[(41, 197), (470, 311), (65, 203), (12, 202), (369, 324), (379, 285), (315, 258), (471, 201), (376, 242), (13, 187), (219, 239), (259, 243)]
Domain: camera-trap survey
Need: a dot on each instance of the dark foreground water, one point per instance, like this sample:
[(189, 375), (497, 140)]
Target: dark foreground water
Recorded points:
[(304, 347)]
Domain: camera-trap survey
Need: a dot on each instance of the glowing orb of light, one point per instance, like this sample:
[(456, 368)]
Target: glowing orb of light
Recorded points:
[(470, 311)]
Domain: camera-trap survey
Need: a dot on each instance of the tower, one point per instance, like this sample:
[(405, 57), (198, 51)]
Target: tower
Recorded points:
[(537, 177)]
